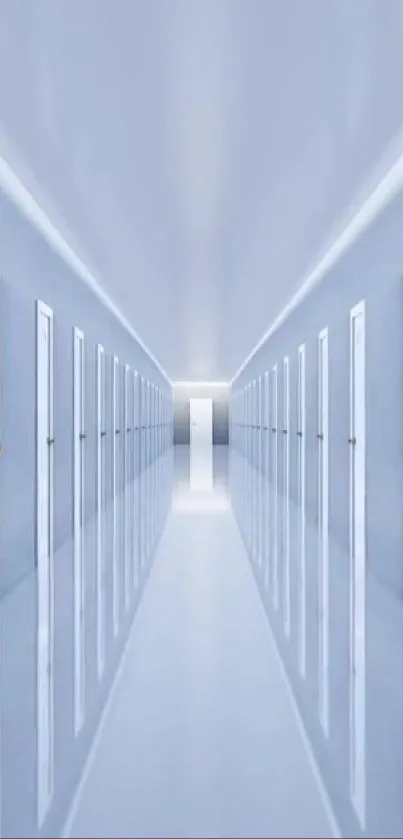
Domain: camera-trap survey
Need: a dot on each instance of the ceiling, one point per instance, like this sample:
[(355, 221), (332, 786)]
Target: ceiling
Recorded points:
[(200, 156)]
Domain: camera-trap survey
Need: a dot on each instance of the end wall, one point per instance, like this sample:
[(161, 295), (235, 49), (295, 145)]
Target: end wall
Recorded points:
[(182, 395)]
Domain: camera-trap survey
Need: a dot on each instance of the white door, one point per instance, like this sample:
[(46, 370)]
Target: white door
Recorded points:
[(115, 491), (136, 450), (157, 452), (143, 421), (259, 465), (78, 527), (201, 444), (201, 422), (153, 403), (164, 420), (274, 487), (245, 481), (357, 562), (323, 528), (148, 470), (126, 485), (301, 512), (252, 464), (286, 496), (160, 431), (249, 484), (244, 449), (101, 500), (44, 530), (267, 494), (253, 467)]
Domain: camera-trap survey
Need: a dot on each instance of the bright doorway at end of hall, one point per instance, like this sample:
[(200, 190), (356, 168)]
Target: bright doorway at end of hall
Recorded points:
[(201, 444), (201, 422)]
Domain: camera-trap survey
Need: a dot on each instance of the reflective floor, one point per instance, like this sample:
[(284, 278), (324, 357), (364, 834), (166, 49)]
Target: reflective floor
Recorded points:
[(199, 736)]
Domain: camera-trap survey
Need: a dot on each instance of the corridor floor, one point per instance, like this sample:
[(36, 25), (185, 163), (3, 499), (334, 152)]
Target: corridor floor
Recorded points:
[(200, 738)]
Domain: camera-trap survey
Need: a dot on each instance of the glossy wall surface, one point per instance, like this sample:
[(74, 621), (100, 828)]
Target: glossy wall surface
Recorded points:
[(369, 273), (139, 499)]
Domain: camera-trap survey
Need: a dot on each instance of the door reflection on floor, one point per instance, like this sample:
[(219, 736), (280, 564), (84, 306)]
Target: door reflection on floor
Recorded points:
[(201, 468), (201, 480)]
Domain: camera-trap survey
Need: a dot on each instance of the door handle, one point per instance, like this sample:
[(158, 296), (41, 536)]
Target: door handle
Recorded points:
[(285, 431), (299, 433), (50, 441), (128, 430), (352, 441), (83, 435), (274, 430), (103, 433), (117, 430), (320, 436)]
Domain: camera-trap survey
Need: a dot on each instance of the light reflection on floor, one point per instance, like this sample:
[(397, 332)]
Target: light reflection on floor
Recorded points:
[(206, 489)]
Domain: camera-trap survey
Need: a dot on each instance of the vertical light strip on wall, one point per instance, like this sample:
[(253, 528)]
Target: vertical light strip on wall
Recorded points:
[(357, 445), (274, 488), (115, 490), (301, 432), (45, 558), (79, 527), (100, 502), (323, 527), (286, 500)]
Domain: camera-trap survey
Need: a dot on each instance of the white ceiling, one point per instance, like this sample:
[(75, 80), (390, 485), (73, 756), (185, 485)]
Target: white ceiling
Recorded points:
[(200, 156)]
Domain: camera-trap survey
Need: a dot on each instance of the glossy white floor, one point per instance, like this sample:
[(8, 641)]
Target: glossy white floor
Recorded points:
[(200, 738)]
